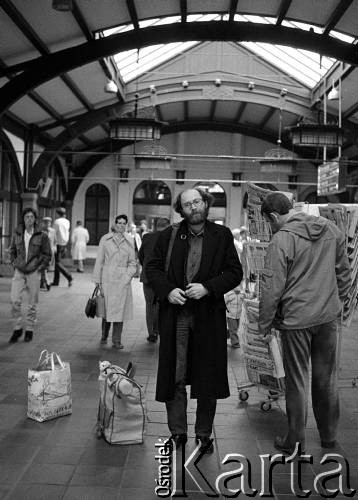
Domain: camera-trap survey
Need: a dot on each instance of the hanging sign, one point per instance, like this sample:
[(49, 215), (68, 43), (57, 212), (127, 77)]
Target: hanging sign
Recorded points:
[(332, 177)]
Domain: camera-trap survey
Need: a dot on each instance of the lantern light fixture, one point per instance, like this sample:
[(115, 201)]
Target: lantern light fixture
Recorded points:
[(62, 5), (317, 135), (135, 129), (111, 87), (333, 94)]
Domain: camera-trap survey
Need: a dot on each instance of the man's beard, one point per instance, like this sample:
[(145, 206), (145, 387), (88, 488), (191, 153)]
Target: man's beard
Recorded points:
[(197, 217)]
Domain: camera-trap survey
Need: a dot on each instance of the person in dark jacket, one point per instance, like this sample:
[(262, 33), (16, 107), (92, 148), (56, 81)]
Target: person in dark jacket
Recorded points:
[(203, 265), (149, 241), (30, 253), (305, 283)]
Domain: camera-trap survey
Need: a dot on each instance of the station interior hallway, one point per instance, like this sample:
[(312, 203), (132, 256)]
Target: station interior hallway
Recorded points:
[(63, 459)]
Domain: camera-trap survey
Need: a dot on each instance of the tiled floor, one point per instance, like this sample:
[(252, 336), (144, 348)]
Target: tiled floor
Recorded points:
[(63, 459)]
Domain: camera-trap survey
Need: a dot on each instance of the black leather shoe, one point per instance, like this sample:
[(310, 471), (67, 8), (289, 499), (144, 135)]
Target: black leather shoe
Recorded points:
[(15, 336), (179, 439), (152, 338), (329, 444), (70, 282), (206, 443), (28, 336), (54, 284)]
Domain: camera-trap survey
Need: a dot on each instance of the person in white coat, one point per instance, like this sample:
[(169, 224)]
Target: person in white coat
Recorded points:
[(114, 269), (79, 240)]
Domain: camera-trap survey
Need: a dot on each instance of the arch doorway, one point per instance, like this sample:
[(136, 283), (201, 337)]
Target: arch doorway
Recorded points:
[(217, 211), (151, 201), (97, 212)]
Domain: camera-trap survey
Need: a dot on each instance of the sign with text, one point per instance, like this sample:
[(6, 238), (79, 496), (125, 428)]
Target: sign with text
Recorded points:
[(331, 177)]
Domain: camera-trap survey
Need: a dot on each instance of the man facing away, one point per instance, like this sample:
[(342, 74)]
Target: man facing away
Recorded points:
[(30, 253), (80, 238), (304, 285), (62, 228), (203, 265), (149, 241)]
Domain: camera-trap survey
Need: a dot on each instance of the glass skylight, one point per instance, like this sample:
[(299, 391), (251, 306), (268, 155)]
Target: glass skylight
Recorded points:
[(306, 67)]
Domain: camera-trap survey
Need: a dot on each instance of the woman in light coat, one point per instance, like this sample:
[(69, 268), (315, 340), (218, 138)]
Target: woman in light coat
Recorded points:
[(114, 269)]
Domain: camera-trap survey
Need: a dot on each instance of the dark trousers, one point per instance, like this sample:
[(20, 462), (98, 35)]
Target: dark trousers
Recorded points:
[(60, 268), (319, 343), (176, 408), (151, 310)]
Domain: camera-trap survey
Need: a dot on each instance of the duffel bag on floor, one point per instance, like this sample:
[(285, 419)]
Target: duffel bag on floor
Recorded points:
[(122, 410)]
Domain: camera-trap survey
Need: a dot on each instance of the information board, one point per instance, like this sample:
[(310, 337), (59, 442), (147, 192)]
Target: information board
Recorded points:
[(331, 177)]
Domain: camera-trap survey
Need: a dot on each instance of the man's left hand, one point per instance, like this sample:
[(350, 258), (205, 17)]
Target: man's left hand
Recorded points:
[(195, 291)]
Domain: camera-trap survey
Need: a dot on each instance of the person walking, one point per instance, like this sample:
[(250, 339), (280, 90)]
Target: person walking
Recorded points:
[(51, 233), (233, 302), (151, 304), (305, 283), (143, 228), (46, 226), (114, 269), (79, 240), (202, 265), (62, 228), (137, 242), (30, 253)]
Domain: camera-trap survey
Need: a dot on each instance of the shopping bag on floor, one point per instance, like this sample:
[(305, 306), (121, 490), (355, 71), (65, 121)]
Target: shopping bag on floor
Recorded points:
[(122, 415), (49, 388)]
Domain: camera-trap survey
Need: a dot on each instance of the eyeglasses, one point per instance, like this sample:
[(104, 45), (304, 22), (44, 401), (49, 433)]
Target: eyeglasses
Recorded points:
[(195, 203)]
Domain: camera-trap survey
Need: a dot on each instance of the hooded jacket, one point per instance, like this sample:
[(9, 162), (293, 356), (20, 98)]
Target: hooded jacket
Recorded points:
[(39, 252), (307, 275)]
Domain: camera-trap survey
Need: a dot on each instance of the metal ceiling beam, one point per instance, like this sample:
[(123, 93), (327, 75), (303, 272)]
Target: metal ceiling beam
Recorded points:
[(212, 109), (33, 38), (336, 15), (14, 125), (45, 106), (267, 117), (186, 110), (39, 45), (158, 113), (183, 10), (233, 9), (133, 13), (76, 130), (282, 11), (77, 14), (40, 70), (240, 111)]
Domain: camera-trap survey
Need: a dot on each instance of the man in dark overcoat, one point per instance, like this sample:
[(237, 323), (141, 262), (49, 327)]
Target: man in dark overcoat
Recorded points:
[(149, 241), (190, 275)]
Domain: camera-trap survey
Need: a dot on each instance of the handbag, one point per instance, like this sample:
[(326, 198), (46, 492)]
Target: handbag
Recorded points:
[(100, 304), (49, 388), (91, 306)]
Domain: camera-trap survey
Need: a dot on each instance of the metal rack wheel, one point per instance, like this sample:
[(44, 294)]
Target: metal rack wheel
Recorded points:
[(274, 395), (243, 395), (265, 406)]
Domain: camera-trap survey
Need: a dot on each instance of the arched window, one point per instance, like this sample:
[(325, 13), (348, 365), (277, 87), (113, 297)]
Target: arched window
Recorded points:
[(217, 211), (97, 212), (215, 190), (151, 200), (152, 193)]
